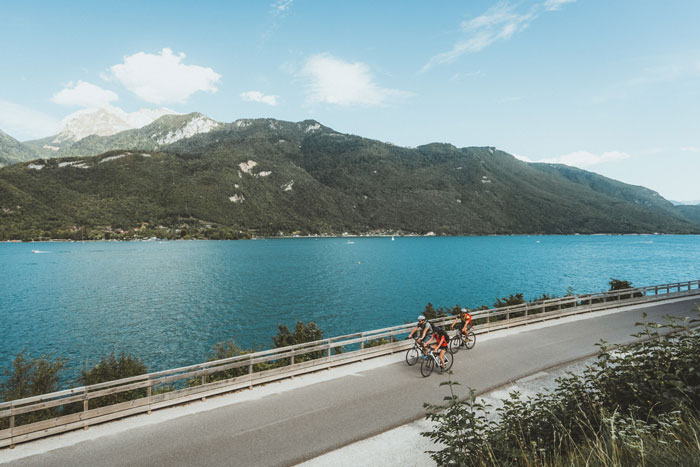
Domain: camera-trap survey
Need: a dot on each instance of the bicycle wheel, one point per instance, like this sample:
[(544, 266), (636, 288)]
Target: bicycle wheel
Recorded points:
[(449, 360), (456, 343), (426, 366), (471, 340), (412, 356)]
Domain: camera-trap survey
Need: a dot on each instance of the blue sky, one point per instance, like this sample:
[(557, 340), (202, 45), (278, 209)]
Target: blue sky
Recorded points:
[(608, 86)]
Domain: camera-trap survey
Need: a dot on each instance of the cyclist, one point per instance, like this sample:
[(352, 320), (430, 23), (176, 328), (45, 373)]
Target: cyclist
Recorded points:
[(441, 343), (424, 330), (466, 320)]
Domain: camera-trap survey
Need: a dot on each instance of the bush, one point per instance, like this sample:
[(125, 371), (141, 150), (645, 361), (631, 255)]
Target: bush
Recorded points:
[(111, 368), (221, 351), (302, 333), (29, 377)]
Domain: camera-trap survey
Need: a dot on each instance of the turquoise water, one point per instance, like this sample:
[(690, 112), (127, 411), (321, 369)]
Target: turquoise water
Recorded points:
[(170, 302)]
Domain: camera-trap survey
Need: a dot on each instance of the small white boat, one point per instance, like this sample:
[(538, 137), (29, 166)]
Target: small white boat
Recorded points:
[(392, 238)]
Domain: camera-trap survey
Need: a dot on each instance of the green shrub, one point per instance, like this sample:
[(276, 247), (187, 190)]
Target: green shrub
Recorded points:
[(302, 333), (111, 368), (29, 377)]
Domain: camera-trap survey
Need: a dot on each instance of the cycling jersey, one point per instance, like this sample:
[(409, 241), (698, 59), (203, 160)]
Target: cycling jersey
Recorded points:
[(441, 342), (467, 318)]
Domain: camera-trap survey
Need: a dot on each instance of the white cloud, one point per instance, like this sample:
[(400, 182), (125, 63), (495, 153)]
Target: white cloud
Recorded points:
[(587, 159), (553, 5), (257, 96), (24, 123), (500, 22), (84, 94), (281, 6), (521, 157), (334, 81), (690, 149), (163, 78)]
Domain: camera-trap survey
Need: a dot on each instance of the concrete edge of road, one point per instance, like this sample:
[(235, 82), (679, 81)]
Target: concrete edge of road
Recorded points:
[(71, 438)]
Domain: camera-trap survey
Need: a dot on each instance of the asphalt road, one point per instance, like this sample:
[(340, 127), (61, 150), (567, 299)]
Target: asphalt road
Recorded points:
[(293, 426)]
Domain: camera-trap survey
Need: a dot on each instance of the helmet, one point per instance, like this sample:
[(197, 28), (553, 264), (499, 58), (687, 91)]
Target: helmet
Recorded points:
[(463, 310), (421, 318)]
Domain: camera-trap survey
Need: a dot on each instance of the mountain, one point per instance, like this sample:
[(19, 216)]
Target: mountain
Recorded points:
[(100, 122), (12, 151), (188, 176)]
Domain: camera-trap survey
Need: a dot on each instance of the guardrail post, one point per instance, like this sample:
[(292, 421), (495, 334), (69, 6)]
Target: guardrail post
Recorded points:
[(329, 355), (149, 393), (12, 426), (250, 371)]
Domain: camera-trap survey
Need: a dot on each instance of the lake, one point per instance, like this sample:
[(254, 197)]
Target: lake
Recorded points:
[(169, 302)]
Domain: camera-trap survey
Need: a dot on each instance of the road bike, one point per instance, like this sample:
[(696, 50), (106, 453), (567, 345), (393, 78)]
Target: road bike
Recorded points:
[(432, 360), (458, 341), (414, 353)]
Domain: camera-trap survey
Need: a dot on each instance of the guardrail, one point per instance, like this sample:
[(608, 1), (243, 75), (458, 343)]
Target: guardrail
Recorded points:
[(153, 391)]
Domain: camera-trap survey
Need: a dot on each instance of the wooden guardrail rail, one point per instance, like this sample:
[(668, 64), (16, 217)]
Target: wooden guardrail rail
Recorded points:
[(176, 386)]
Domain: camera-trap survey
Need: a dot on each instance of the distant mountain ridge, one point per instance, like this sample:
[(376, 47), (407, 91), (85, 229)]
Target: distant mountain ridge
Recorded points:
[(97, 122), (187, 176), (12, 151)]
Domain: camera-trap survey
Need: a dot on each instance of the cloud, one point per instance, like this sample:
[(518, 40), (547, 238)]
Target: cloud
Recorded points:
[(84, 94), (257, 96), (163, 78), (690, 149), (281, 7), (24, 123), (334, 81), (587, 159), (498, 23), (553, 5), (521, 157)]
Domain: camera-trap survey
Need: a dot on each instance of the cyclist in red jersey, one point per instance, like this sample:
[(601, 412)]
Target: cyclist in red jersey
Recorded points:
[(466, 319), (440, 343)]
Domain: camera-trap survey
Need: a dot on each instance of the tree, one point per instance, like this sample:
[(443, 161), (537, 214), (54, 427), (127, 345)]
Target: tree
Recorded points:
[(31, 377), (111, 368), (616, 284), (516, 299), (302, 333)]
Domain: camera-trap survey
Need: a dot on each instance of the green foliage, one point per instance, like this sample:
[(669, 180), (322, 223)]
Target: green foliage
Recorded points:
[(221, 351), (302, 333), (635, 406), (513, 299), (111, 368), (28, 377), (616, 284), (458, 427), (378, 342)]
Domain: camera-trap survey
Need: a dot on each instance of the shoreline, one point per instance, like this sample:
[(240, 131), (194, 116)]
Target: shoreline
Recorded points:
[(288, 237)]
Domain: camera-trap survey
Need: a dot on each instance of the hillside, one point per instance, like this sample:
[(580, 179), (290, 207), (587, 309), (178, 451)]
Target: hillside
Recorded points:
[(12, 151), (269, 177)]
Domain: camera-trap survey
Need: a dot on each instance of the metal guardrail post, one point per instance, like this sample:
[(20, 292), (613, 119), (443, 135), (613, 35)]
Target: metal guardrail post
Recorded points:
[(149, 393), (12, 426), (86, 401), (250, 371)]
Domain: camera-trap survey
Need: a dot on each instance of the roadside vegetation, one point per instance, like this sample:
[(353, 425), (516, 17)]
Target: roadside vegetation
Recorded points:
[(636, 405)]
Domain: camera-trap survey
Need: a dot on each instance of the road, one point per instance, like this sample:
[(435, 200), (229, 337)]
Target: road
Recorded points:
[(289, 427)]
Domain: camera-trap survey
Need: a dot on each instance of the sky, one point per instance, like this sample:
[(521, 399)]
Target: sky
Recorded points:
[(608, 86)]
